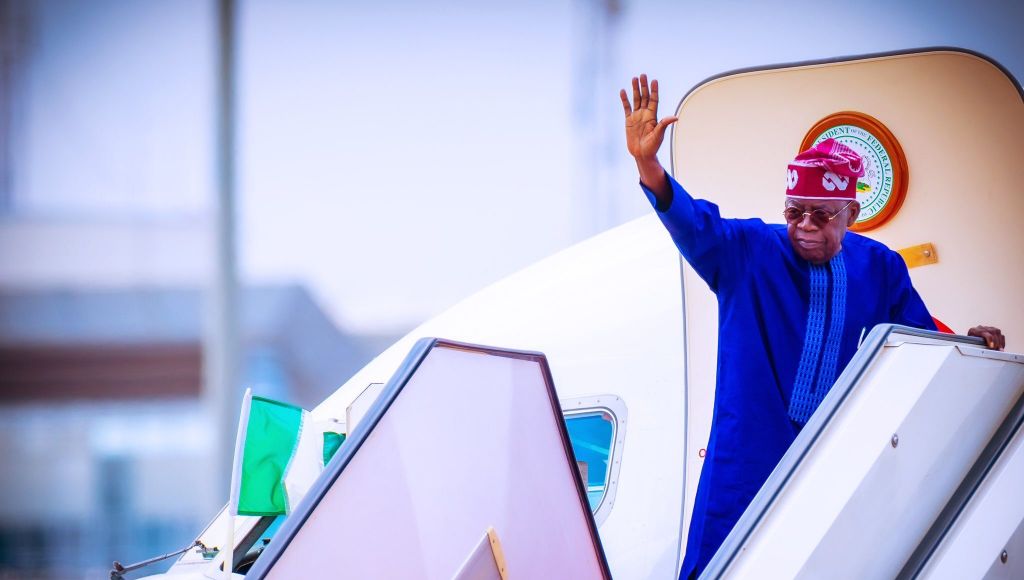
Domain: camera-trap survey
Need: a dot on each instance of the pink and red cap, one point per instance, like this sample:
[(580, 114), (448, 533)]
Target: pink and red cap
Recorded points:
[(829, 170)]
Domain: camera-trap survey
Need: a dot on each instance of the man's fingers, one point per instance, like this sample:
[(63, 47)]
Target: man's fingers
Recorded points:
[(664, 123), (645, 93), (653, 103), (992, 336), (996, 337), (986, 335), (636, 93), (625, 103)]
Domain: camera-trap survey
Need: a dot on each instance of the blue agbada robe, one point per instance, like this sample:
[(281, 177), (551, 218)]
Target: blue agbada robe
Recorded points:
[(787, 329)]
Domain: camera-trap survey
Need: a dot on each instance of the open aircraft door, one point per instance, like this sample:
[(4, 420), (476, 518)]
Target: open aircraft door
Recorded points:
[(940, 131)]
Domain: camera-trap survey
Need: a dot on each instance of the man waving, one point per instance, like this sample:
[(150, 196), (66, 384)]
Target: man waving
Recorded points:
[(793, 300)]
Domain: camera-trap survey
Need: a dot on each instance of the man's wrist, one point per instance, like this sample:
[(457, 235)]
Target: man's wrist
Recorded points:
[(655, 183), (651, 171), (652, 176)]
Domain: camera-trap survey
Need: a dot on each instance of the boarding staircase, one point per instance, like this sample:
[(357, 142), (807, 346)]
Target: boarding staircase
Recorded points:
[(913, 467)]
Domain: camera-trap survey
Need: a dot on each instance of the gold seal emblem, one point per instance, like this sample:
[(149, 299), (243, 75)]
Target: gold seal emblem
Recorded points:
[(884, 186)]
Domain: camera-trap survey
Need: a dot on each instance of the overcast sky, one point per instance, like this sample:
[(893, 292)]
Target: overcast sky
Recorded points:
[(396, 156)]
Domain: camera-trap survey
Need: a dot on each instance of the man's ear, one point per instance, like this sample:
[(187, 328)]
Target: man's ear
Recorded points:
[(854, 214)]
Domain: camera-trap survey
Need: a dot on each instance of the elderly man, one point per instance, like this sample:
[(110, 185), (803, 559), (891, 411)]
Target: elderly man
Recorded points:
[(793, 301)]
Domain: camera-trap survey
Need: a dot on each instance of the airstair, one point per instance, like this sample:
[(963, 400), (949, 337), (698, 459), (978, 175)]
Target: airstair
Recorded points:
[(462, 468), (913, 467)]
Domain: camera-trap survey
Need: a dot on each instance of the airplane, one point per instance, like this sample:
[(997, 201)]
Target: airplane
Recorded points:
[(911, 467)]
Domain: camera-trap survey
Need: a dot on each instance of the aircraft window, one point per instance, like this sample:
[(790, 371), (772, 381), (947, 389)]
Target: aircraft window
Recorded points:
[(597, 430), (258, 541), (591, 438)]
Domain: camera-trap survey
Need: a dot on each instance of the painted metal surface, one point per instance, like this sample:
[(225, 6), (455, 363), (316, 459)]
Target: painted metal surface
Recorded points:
[(411, 491), (988, 523), (847, 503)]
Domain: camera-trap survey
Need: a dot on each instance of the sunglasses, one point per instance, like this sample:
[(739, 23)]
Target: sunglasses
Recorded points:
[(819, 217)]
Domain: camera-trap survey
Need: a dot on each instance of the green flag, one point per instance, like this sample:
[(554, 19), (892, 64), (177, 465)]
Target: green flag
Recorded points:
[(279, 453)]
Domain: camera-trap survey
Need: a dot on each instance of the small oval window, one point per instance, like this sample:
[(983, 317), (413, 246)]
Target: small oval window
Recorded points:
[(591, 435)]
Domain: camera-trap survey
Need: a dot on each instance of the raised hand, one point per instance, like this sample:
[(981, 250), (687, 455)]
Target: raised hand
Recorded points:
[(644, 133)]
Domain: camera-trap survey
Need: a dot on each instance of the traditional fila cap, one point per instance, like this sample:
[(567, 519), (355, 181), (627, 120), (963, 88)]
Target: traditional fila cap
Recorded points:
[(829, 170)]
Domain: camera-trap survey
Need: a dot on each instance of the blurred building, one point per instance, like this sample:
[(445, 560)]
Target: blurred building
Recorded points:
[(106, 267), (106, 443)]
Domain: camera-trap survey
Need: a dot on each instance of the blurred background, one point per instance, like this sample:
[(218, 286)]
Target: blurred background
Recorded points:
[(202, 195)]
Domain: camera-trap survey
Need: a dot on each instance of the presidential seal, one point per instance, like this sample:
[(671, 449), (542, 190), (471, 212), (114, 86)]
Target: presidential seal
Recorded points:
[(884, 186)]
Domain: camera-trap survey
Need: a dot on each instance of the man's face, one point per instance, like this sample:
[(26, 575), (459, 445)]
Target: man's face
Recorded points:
[(815, 242)]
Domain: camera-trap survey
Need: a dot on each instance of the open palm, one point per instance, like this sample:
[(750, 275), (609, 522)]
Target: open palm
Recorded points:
[(644, 133)]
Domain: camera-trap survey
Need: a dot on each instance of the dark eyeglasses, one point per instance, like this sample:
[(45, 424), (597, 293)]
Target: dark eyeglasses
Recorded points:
[(819, 217)]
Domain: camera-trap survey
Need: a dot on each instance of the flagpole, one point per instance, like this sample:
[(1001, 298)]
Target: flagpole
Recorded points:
[(243, 421), (229, 552), (222, 366)]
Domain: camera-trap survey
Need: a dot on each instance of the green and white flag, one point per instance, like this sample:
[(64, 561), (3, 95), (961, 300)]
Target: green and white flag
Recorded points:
[(279, 453)]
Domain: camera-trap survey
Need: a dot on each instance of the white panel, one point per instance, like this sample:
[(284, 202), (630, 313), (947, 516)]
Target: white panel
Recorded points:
[(1010, 565), (359, 407), (472, 441), (995, 514), (857, 506), (481, 564)]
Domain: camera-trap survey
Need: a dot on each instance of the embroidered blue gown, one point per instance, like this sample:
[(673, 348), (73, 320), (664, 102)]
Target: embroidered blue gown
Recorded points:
[(787, 329)]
